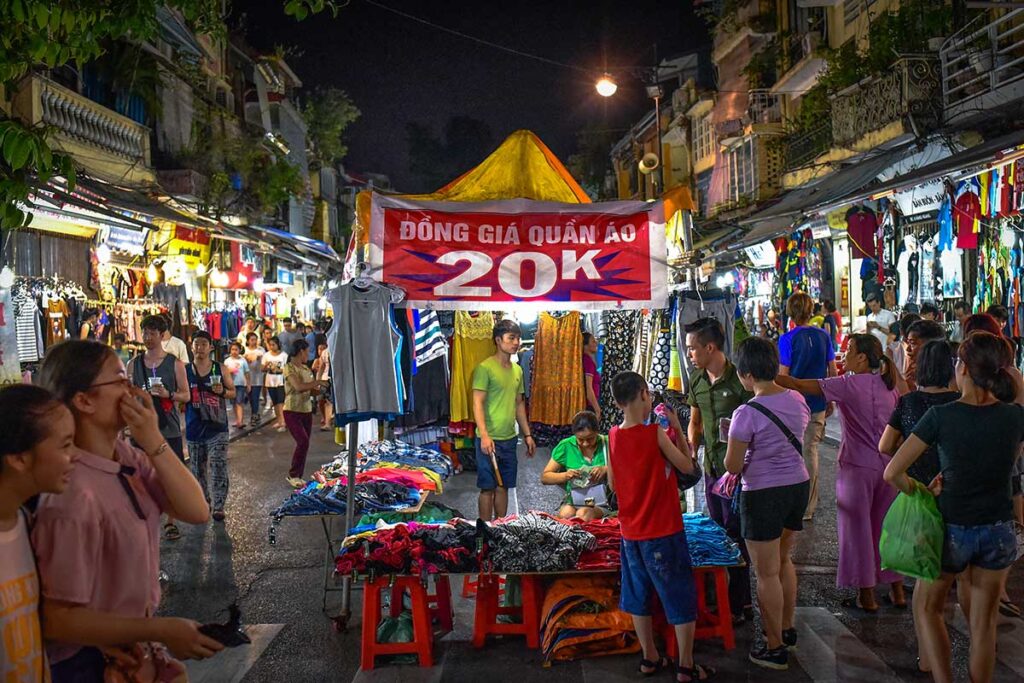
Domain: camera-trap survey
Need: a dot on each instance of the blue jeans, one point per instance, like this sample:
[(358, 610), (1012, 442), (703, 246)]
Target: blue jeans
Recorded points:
[(508, 465), (989, 546), (659, 566)]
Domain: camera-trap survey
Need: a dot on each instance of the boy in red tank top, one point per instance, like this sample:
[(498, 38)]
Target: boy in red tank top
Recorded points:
[(655, 557)]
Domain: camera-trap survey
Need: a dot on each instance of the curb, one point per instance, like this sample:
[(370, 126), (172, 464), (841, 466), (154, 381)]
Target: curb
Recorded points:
[(246, 431)]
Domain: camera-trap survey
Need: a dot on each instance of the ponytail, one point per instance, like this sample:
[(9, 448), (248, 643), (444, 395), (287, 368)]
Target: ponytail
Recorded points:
[(869, 345), (1004, 386)]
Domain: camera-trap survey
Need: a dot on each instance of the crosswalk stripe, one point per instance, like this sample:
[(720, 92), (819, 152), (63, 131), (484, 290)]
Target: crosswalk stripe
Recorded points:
[(390, 673), (1009, 640), (231, 664), (828, 651)]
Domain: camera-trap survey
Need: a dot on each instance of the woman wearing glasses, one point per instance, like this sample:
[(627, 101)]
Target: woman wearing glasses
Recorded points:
[(98, 542)]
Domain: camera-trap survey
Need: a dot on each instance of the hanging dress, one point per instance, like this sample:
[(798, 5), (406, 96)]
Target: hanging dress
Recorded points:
[(661, 358), (471, 345), (618, 329), (557, 393)]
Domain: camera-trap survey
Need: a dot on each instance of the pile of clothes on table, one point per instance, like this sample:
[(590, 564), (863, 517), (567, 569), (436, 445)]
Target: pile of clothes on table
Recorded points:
[(390, 476), (709, 546), (411, 549)]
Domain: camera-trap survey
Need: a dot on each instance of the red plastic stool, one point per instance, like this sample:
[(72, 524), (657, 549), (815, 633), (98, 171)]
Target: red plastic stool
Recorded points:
[(422, 644), (440, 603), (469, 586), (485, 617), (710, 624)]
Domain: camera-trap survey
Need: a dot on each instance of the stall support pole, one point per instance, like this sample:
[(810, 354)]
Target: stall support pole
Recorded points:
[(352, 438)]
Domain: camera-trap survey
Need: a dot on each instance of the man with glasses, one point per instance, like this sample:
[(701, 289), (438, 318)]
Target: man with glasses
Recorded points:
[(715, 392)]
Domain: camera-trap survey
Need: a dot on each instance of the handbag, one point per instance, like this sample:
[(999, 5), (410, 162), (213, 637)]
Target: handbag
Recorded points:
[(728, 485)]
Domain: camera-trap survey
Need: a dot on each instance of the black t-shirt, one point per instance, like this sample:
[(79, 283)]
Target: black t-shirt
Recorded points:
[(977, 446), (909, 411)]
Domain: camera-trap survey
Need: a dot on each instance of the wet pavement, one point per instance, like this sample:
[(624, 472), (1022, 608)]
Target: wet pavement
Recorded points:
[(280, 589)]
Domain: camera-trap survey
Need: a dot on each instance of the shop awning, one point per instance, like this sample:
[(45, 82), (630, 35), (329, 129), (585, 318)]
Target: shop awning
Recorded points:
[(300, 243)]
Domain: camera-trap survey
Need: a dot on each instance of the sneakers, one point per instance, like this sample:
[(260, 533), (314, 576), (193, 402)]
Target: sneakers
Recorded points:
[(777, 659), (295, 482), (255, 421)]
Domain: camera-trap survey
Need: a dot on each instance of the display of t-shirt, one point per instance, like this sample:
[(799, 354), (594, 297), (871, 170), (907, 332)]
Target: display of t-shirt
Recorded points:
[(977, 447), (807, 352), (967, 214), (21, 647), (861, 226), (952, 274), (503, 387), (274, 368), (771, 459)]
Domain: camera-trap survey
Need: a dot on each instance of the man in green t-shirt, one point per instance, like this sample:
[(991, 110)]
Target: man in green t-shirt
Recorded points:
[(498, 404), (716, 391)]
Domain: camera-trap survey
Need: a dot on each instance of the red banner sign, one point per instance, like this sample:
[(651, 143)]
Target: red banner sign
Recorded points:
[(486, 255)]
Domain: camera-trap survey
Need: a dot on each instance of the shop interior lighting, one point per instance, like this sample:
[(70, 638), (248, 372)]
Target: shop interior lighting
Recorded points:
[(6, 278), (258, 285), (103, 253), (151, 273), (321, 305)]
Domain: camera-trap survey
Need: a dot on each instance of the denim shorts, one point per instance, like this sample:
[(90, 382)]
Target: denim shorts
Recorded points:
[(508, 465), (659, 566), (241, 396), (989, 546)]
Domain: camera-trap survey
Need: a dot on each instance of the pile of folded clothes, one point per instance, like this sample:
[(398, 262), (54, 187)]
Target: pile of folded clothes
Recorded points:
[(709, 546), (411, 549), (432, 512), (329, 498), (535, 542), (606, 553)]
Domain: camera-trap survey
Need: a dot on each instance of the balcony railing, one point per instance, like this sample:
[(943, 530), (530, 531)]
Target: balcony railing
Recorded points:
[(81, 119), (802, 148), (910, 88), (982, 59), (764, 107)]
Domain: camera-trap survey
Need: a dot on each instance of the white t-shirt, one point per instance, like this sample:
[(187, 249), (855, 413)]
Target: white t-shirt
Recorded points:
[(885, 320), (19, 609), (239, 368), (277, 361), (255, 359), (176, 347)]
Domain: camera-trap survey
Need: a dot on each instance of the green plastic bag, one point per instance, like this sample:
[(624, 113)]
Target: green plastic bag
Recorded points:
[(912, 535)]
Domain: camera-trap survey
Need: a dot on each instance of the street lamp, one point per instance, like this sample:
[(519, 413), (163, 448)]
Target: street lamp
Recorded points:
[(606, 87)]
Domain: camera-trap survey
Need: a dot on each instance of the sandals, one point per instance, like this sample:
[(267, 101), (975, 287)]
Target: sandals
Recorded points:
[(655, 667), (699, 672), (892, 602), (1009, 609), (171, 532), (854, 603)]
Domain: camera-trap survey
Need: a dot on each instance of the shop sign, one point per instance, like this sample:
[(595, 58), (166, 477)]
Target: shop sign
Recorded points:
[(285, 276), (10, 366), (192, 245), (455, 255), (761, 255), (921, 198), (126, 240)]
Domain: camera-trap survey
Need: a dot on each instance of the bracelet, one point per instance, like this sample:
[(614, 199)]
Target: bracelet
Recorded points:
[(528, 436), (163, 447)]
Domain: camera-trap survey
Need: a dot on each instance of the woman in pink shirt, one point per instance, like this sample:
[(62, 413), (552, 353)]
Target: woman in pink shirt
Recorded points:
[(866, 397), (98, 543)]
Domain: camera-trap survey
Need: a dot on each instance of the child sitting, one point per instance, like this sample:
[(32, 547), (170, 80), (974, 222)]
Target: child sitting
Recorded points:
[(655, 557)]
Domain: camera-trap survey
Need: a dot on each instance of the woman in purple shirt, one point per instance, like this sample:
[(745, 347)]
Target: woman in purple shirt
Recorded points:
[(765, 445), (866, 397), (98, 543)]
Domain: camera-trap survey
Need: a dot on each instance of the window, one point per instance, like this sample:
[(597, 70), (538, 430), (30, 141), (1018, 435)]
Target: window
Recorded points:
[(740, 160), (703, 137)]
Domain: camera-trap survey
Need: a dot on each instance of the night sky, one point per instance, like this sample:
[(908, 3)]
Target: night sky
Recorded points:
[(399, 71)]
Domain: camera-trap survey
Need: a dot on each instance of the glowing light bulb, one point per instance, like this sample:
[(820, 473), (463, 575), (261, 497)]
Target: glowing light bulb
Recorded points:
[(6, 277), (103, 253), (606, 87), (200, 269)]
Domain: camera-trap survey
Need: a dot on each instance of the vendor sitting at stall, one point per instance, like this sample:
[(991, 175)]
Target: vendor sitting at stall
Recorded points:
[(580, 464)]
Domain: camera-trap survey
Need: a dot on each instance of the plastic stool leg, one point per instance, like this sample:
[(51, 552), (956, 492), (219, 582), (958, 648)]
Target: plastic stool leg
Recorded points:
[(423, 636), (724, 611), (486, 611), (532, 602), (443, 603), (371, 613), (468, 586)]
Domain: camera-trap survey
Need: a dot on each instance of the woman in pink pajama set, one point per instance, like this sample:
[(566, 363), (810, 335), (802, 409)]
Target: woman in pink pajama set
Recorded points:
[(866, 397)]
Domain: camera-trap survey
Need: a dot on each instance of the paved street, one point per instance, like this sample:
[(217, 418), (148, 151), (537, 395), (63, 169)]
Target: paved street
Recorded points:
[(279, 588)]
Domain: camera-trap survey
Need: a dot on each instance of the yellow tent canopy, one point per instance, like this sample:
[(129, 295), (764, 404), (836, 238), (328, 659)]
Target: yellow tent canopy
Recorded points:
[(521, 167)]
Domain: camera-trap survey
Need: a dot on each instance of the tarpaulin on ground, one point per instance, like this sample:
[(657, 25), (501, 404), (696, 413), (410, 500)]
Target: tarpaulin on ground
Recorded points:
[(479, 255)]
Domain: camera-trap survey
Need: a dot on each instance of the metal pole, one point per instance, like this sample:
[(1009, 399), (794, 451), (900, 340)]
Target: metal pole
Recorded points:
[(352, 434), (660, 150)]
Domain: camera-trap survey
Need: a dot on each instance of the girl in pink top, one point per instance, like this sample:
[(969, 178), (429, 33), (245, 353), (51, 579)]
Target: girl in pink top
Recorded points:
[(98, 543), (866, 397)]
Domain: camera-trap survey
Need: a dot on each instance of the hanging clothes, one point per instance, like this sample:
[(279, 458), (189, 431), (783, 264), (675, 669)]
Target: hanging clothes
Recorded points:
[(557, 393), (471, 345), (661, 358), (365, 347), (618, 329), (861, 226)]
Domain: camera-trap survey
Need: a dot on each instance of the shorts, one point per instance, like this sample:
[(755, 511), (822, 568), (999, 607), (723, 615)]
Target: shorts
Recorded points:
[(241, 396), (659, 566), (508, 465), (989, 546), (764, 513), (276, 395)]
